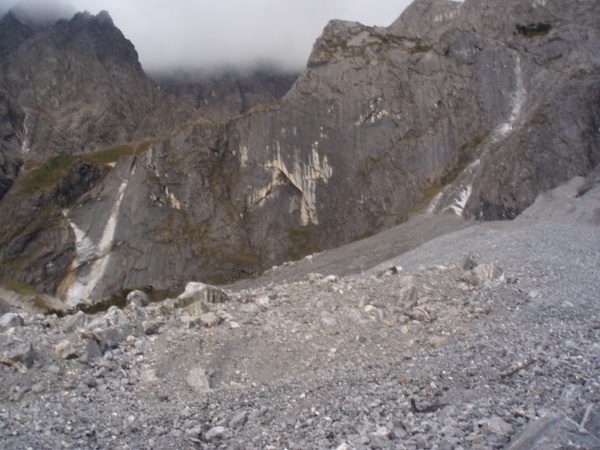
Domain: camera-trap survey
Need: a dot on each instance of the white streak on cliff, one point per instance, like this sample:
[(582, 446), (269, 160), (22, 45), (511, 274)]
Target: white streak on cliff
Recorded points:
[(459, 204), (96, 256), (303, 175), (24, 147), (517, 101), (243, 155), (518, 97)]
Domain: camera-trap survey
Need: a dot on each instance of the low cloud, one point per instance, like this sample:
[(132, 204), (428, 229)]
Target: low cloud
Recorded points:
[(208, 34)]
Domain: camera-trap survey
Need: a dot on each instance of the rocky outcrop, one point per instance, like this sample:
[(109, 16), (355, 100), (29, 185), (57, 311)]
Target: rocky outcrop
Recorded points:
[(468, 108)]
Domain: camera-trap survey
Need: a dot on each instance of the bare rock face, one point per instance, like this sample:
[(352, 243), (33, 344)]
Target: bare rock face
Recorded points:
[(469, 108), (78, 84), (221, 96)]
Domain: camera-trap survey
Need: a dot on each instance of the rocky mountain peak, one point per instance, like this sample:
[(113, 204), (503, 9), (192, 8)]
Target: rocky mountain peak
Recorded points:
[(422, 16), (41, 14), (13, 31)]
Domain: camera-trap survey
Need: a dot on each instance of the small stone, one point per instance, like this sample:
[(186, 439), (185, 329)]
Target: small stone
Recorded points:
[(249, 308), (407, 297), (238, 420), (149, 376), (496, 425), (482, 274), (194, 431), (382, 432), (369, 309), (18, 351), (420, 315), (151, 327), (214, 433), (210, 319), (408, 280), (11, 320), (65, 350), (197, 380), (329, 320), (555, 431), (234, 325), (263, 301), (438, 341), (93, 350), (138, 298)]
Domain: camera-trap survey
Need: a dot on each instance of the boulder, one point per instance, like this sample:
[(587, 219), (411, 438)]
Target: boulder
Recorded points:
[(18, 351), (198, 380), (214, 433), (482, 274), (138, 298), (77, 320), (496, 425), (11, 320), (66, 350), (407, 297), (554, 431), (419, 314), (210, 319), (199, 292)]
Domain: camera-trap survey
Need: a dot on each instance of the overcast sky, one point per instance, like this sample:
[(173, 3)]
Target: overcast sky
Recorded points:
[(207, 33)]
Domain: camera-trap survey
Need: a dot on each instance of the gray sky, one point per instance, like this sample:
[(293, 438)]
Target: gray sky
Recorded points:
[(209, 33)]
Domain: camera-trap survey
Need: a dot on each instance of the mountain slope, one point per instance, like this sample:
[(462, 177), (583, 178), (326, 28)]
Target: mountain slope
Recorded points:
[(481, 335), (467, 108)]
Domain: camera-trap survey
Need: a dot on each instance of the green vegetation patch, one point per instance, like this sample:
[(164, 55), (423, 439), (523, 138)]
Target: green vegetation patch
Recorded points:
[(118, 299), (20, 288), (463, 159), (420, 48), (302, 242), (428, 195), (534, 29), (45, 176)]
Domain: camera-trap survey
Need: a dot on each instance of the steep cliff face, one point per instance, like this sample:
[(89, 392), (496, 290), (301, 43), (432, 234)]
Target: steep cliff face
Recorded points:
[(484, 104), (464, 108), (221, 96)]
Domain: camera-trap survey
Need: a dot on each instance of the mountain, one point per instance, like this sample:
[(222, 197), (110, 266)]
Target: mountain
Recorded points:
[(469, 108)]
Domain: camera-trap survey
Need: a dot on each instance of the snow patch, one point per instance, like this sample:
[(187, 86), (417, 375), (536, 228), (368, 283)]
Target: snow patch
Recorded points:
[(433, 204), (459, 204)]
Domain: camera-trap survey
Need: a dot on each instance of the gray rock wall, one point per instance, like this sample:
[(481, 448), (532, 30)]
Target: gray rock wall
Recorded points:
[(467, 108)]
